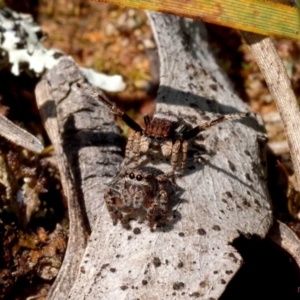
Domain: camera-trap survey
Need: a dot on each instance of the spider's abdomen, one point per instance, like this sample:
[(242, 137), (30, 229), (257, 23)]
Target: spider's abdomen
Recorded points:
[(161, 127)]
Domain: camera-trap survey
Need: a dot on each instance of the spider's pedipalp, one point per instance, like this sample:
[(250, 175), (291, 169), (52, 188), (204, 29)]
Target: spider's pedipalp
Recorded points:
[(194, 131)]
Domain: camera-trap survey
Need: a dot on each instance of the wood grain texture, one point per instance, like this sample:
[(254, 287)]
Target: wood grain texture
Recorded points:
[(19, 136), (223, 194), (87, 144)]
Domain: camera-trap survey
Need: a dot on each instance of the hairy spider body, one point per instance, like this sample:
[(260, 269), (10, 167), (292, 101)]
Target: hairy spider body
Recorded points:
[(164, 132), (136, 192)]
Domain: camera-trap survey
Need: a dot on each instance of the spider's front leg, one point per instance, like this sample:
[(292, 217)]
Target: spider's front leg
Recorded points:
[(113, 210), (164, 206), (151, 213)]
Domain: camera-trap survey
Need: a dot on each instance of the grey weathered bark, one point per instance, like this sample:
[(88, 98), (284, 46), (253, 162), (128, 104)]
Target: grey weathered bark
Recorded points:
[(19, 136), (223, 195), (87, 144)]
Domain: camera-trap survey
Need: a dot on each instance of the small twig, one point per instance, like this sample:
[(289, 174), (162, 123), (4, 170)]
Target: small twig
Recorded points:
[(280, 88), (19, 136), (286, 238)]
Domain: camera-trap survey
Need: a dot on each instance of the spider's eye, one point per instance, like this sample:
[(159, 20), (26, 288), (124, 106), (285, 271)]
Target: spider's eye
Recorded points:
[(139, 177), (131, 175)]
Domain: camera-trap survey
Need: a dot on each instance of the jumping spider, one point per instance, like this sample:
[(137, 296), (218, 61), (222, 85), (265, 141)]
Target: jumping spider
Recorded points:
[(167, 133), (139, 192)]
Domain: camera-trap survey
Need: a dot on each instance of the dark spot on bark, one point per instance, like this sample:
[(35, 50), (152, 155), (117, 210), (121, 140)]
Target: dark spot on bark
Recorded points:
[(228, 194), (249, 193), (144, 282), (248, 177), (181, 234), (238, 207), (156, 262), (124, 287), (129, 237), (104, 266), (202, 284), (132, 287), (136, 230), (223, 281), (211, 298), (113, 270), (195, 294), (118, 255), (216, 272), (82, 270), (222, 211), (257, 203), (247, 152), (213, 87), (191, 167), (146, 271), (167, 262), (235, 260), (228, 272), (194, 262), (224, 200), (216, 228), (180, 264), (246, 203), (232, 166), (173, 294), (201, 231), (178, 285)]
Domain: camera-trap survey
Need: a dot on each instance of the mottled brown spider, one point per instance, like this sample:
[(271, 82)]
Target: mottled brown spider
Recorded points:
[(166, 133), (139, 193)]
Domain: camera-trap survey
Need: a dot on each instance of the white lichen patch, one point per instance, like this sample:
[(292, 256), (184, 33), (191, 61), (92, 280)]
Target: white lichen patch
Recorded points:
[(21, 49)]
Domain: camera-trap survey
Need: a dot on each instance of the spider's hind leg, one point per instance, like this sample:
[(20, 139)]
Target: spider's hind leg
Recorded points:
[(132, 150), (184, 150), (175, 154)]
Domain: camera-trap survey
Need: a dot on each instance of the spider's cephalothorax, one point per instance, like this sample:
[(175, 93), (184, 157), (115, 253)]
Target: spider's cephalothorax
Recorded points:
[(138, 193), (164, 132)]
